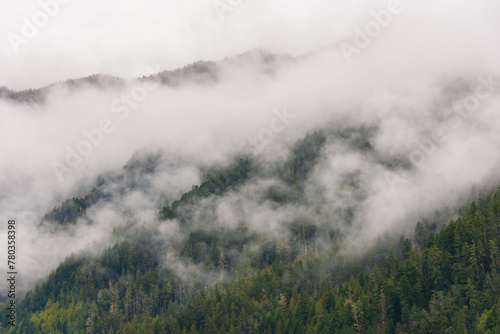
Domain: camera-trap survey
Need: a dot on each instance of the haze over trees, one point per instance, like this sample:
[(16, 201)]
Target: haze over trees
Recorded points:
[(441, 277)]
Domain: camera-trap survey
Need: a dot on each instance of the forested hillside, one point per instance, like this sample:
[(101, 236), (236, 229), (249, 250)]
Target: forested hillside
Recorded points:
[(436, 280)]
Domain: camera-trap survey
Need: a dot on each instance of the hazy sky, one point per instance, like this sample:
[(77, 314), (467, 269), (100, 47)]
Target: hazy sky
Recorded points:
[(122, 37)]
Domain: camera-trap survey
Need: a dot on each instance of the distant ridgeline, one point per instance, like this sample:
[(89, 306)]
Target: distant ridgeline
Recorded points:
[(25, 96), (38, 96), (200, 72)]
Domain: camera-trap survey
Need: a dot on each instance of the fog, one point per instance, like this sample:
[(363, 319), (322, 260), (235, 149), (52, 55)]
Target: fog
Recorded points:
[(427, 86)]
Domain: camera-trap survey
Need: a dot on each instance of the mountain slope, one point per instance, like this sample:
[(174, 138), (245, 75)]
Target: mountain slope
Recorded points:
[(433, 282)]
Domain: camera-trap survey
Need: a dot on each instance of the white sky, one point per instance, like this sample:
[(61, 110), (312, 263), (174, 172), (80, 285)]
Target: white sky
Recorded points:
[(123, 37)]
